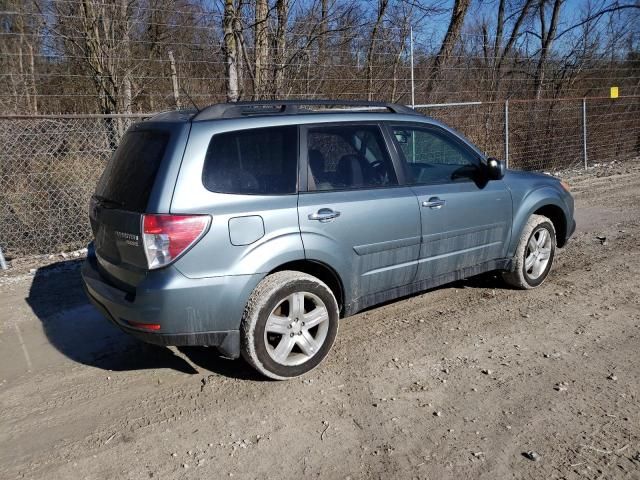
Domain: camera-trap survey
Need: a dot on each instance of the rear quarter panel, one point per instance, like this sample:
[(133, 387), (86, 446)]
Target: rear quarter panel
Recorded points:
[(216, 255)]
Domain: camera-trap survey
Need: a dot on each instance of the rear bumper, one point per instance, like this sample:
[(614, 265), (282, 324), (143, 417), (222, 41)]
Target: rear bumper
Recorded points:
[(204, 311), (228, 342)]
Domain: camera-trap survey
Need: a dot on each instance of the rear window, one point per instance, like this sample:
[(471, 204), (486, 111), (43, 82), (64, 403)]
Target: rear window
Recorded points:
[(128, 179), (256, 161)]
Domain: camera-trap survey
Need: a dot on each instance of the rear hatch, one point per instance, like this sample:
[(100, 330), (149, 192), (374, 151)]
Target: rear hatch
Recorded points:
[(130, 186)]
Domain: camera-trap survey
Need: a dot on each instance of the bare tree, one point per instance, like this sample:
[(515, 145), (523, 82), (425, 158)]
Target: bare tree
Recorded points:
[(547, 36), (230, 48), (112, 56), (280, 47), (322, 39), (261, 48), (458, 14), (17, 58), (495, 59), (126, 52), (405, 16), (382, 8)]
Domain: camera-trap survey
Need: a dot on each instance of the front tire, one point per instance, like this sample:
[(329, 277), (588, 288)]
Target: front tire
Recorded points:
[(534, 255), (289, 325)]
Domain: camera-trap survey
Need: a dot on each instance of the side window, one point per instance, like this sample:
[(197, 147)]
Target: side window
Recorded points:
[(432, 157), (348, 157), (258, 161)]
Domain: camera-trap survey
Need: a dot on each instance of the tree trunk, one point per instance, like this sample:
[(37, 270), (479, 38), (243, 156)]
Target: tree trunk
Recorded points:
[(404, 33), (515, 32), (230, 50), (22, 77), (261, 48), (96, 49), (94, 30), (500, 53), (322, 40), (458, 14), (282, 11), (32, 72), (382, 7), (174, 80), (126, 48), (546, 42)]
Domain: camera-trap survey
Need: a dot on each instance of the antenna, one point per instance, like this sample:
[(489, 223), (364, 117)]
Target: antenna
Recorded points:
[(190, 99)]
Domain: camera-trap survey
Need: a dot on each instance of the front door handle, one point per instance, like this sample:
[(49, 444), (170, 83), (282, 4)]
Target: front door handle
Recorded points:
[(434, 203), (324, 215)]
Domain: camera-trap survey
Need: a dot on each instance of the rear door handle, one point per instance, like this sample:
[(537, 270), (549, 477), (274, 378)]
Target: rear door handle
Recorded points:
[(434, 203), (324, 215)]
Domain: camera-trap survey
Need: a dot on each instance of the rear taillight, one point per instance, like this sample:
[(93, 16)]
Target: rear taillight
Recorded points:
[(166, 237)]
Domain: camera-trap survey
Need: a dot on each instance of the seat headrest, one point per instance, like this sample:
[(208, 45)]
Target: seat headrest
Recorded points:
[(349, 171), (316, 159)]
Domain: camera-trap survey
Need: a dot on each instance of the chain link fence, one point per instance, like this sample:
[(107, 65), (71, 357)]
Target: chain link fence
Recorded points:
[(481, 122), (49, 165), (549, 135)]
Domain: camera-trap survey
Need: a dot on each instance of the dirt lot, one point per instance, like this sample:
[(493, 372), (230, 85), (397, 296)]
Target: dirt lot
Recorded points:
[(455, 383)]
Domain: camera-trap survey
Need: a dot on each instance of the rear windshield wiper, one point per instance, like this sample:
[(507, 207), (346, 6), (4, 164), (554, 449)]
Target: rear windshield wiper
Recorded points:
[(107, 202)]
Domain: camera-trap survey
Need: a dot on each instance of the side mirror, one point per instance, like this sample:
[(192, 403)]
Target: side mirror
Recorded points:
[(495, 168)]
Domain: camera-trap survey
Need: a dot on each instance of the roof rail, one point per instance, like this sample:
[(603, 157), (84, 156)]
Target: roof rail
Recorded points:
[(287, 107)]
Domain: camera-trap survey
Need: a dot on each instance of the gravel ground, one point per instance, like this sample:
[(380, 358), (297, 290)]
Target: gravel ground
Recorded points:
[(468, 381)]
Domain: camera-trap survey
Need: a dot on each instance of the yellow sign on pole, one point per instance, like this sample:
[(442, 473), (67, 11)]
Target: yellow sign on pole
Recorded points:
[(614, 92)]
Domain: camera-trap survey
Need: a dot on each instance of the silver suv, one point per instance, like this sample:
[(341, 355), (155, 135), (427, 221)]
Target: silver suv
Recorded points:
[(253, 227)]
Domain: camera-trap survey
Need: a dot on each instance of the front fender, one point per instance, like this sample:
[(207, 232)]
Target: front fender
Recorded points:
[(528, 205)]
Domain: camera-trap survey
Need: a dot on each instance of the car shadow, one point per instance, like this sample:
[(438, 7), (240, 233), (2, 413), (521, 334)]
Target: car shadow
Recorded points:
[(210, 359), (489, 280), (78, 331)]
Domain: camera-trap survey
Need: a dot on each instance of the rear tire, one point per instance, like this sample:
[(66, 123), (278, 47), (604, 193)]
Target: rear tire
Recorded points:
[(289, 325), (534, 255)]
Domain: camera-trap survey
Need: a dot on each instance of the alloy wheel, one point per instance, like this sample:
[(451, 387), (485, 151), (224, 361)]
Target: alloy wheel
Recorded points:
[(296, 328), (537, 253)]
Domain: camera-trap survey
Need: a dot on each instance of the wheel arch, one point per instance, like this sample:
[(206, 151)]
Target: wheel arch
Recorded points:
[(559, 220), (321, 271), (542, 201)]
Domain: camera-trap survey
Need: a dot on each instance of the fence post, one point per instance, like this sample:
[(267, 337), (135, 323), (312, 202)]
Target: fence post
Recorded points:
[(584, 131), (506, 132), (413, 97), (3, 263)]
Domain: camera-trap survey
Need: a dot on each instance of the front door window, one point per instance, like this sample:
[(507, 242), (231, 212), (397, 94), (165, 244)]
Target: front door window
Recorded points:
[(432, 157)]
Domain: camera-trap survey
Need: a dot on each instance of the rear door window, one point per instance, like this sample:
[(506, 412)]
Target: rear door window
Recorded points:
[(128, 179), (256, 161)]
